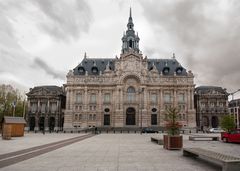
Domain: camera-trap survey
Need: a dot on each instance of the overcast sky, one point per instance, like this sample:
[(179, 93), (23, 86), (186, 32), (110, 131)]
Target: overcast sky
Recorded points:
[(40, 40)]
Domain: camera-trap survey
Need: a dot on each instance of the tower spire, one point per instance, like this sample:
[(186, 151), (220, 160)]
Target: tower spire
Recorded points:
[(130, 16), (130, 39)]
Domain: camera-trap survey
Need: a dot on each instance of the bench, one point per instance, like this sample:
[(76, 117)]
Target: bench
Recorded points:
[(157, 140), (202, 138), (228, 163)]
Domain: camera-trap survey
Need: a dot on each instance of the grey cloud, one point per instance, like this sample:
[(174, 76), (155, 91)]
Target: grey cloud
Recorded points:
[(65, 20), (205, 34), (48, 69)]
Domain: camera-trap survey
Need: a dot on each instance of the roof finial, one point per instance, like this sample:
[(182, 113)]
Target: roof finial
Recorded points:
[(130, 13), (173, 56), (85, 55)]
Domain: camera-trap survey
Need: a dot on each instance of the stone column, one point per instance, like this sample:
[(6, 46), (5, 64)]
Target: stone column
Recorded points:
[(174, 97), (100, 109), (48, 106), (38, 107), (85, 98)]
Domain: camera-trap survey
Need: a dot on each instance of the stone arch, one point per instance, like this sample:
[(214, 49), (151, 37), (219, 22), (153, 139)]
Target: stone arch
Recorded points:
[(131, 79)]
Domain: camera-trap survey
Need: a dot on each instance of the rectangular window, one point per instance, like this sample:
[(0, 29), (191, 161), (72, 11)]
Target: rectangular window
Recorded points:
[(181, 98), (53, 107), (154, 98), (43, 107), (154, 119), (93, 98), (106, 98), (167, 97), (34, 107), (79, 98)]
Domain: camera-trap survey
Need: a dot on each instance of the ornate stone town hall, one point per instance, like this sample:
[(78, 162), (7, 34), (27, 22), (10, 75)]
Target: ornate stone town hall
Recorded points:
[(130, 91)]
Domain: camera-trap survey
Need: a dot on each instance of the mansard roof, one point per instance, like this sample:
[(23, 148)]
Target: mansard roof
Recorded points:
[(167, 66), (208, 89), (51, 89), (93, 66)]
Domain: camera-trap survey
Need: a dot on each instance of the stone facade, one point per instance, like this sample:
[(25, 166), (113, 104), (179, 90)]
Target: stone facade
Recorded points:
[(46, 106), (130, 91), (234, 110), (211, 103)]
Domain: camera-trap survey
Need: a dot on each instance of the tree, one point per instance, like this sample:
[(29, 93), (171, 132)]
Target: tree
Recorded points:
[(172, 124), (10, 100), (227, 123)]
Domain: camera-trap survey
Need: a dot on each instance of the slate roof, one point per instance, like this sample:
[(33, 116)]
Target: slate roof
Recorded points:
[(18, 120), (205, 89), (51, 88), (92, 64)]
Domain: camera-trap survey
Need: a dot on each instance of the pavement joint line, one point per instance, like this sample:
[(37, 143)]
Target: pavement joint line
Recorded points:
[(42, 150), (39, 149), (2, 156)]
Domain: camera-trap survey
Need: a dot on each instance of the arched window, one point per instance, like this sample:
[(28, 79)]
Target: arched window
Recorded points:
[(130, 43), (130, 94)]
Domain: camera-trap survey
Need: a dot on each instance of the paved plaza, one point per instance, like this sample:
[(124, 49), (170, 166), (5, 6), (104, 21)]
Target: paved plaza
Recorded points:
[(111, 152)]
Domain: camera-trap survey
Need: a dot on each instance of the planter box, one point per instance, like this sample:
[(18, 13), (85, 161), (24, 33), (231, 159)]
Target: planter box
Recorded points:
[(173, 142)]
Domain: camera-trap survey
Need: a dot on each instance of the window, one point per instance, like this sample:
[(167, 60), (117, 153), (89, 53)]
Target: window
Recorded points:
[(93, 98), (53, 107), (79, 98), (34, 107), (154, 119), (43, 107), (107, 110), (183, 116), (154, 98), (80, 117), (131, 94), (181, 98), (181, 107), (167, 97), (94, 117), (76, 117), (106, 98)]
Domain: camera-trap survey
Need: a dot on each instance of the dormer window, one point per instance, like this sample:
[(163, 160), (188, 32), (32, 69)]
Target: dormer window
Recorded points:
[(166, 70), (95, 70), (179, 70), (81, 70)]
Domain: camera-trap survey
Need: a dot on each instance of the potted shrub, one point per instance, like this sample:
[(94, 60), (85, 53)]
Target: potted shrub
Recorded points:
[(173, 140)]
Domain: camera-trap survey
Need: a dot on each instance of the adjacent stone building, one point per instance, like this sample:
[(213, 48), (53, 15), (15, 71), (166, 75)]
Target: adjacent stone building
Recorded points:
[(234, 110), (46, 106), (131, 91), (211, 103)]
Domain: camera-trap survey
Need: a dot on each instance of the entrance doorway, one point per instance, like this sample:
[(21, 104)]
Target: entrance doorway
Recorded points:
[(106, 119), (130, 116), (41, 123), (51, 124), (214, 121), (31, 123)]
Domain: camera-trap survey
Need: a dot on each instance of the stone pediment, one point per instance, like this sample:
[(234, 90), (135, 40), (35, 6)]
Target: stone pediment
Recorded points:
[(131, 63)]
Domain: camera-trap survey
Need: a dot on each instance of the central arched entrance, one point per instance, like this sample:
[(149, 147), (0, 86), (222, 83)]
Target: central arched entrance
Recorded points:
[(130, 116), (214, 121)]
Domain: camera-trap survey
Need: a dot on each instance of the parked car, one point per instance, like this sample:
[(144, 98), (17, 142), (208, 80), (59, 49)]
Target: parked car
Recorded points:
[(149, 130), (215, 130), (233, 136)]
